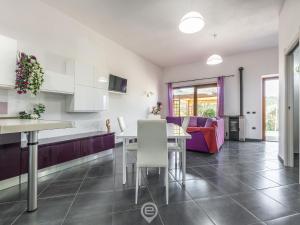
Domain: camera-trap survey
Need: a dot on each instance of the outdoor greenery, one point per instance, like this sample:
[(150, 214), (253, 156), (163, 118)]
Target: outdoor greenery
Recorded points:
[(272, 114), (210, 112)]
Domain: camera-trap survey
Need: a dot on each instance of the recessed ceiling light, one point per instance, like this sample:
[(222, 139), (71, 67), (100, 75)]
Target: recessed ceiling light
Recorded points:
[(191, 22)]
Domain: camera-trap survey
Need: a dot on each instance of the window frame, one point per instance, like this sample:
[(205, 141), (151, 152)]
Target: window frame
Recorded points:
[(196, 87)]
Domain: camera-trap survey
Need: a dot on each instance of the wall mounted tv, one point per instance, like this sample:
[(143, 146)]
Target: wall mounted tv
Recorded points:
[(117, 84)]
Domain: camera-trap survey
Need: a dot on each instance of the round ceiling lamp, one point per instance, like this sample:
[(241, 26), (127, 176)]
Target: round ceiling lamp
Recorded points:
[(214, 60), (191, 22)]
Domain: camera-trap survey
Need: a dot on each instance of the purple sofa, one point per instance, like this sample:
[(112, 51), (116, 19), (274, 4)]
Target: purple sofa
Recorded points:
[(207, 134)]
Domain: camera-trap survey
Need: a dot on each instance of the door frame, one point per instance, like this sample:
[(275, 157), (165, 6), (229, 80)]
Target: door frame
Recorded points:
[(264, 79), (288, 108)]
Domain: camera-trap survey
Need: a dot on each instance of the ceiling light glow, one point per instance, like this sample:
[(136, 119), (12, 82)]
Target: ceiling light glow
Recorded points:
[(191, 22)]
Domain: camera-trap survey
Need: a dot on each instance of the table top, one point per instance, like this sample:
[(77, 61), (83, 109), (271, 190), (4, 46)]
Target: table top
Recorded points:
[(173, 131), (22, 125)]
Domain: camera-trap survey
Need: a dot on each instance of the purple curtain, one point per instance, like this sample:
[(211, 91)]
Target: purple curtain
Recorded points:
[(220, 103), (170, 99)]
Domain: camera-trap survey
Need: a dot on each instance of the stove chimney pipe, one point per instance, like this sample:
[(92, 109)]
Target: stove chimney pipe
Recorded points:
[(241, 92)]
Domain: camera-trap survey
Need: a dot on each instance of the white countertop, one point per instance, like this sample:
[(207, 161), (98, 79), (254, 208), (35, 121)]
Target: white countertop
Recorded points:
[(22, 125)]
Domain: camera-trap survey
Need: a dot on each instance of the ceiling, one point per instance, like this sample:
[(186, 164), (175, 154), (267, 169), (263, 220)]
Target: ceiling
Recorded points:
[(150, 27)]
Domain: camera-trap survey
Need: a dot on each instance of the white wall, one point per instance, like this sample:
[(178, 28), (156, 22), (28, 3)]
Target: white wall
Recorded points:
[(256, 64), (289, 27), (54, 37)]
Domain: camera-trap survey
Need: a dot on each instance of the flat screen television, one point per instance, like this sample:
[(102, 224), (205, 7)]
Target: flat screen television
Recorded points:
[(117, 84)]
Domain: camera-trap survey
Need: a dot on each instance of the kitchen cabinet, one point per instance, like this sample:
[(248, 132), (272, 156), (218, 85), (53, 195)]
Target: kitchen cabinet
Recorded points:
[(8, 58), (58, 83), (90, 94)]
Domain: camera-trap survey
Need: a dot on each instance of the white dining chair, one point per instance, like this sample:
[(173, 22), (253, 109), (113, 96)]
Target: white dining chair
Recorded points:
[(175, 146), (130, 146), (152, 150)]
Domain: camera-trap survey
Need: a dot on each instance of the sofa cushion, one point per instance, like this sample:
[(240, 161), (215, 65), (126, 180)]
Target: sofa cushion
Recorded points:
[(174, 119), (201, 121), (209, 122), (193, 121)]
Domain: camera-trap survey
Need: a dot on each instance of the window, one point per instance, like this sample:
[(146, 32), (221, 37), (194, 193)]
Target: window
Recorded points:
[(183, 101), (195, 100)]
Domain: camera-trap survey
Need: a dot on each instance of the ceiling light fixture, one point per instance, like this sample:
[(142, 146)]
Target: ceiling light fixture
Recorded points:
[(214, 59), (191, 22)]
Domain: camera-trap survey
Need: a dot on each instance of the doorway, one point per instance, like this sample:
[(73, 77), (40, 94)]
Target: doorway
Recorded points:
[(293, 106), (270, 108)]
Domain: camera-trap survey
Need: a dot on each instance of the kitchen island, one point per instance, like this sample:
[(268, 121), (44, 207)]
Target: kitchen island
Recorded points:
[(31, 127)]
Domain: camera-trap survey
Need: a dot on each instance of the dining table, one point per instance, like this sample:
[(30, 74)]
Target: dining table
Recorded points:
[(174, 132)]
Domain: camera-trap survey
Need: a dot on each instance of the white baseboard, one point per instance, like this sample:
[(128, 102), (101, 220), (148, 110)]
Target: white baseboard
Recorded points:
[(53, 169)]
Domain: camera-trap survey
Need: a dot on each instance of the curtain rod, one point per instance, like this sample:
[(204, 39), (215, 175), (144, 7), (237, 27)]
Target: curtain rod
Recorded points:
[(207, 78)]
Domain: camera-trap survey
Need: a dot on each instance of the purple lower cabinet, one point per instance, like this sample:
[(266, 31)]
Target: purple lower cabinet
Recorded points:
[(44, 156), (102, 143), (109, 141), (86, 146), (14, 161), (66, 151), (10, 157)]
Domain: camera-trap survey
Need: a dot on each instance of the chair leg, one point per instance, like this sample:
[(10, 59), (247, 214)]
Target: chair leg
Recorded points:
[(158, 170), (147, 171), (167, 185), (140, 177), (175, 160), (136, 185)]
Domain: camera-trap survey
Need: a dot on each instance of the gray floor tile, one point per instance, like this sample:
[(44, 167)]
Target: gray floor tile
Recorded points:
[(262, 206), (97, 185), (255, 181), (50, 211), (132, 218), (9, 211), (60, 188), (289, 220), (176, 194), (201, 189), (229, 185), (184, 213), (225, 211)]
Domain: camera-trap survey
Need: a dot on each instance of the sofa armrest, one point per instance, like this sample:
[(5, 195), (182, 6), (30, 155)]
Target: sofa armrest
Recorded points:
[(209, 134)]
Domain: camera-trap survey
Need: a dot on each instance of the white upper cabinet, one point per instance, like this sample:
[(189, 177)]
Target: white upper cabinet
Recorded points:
[(91, 88), (101, 78), (58, 83), (8, 58), (83, 73)]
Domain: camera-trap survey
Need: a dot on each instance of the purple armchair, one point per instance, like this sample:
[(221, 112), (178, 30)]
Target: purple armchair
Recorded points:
[(207, 134)]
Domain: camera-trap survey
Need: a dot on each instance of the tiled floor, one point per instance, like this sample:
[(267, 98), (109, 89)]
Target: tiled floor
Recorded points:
[(243, 184)]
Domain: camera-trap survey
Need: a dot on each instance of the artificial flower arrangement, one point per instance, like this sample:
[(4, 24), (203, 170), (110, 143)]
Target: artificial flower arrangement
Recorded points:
[(157, 109), (29, 74), (37, 112)]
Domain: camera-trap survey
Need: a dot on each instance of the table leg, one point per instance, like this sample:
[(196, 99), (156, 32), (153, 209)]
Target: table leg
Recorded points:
[(32, 171), (124, 161), (183, 160)]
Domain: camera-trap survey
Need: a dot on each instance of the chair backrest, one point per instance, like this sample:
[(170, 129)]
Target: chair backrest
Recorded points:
[(185, 123), (152, 143), (122, 124)]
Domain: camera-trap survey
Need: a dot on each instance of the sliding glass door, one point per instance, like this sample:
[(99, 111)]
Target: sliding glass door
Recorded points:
[(183, 101), (195, 101), (207, 101)]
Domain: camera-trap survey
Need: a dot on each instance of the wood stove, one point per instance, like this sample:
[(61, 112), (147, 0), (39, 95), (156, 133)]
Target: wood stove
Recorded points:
[(235, 124)]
